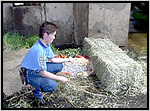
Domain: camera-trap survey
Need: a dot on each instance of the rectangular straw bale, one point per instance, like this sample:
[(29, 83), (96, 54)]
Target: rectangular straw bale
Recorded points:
[(116, 70)]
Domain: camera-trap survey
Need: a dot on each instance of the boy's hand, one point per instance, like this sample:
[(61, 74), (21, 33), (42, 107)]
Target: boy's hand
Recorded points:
[(63, 79)]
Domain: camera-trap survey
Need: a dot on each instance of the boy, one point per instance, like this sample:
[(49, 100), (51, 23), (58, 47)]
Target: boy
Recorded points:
[(39, 73)]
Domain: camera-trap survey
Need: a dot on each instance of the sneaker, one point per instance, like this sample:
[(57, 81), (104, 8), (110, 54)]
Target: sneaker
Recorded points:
[(37, 94)]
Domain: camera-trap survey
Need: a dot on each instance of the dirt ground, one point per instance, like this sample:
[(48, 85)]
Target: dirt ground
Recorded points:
[(11, 64)]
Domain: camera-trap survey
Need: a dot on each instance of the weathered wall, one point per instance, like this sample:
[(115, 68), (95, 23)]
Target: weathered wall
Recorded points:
[(111, 19), (7, 17), (27, 20), (81, 12), (75, 20), (62, 15)]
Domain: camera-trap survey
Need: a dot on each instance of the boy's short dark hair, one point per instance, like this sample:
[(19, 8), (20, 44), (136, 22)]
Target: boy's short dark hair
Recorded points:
[(47, 27)]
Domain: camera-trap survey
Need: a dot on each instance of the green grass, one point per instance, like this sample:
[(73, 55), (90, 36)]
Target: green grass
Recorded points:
[(16, 41), (13, 41), (31, 40)]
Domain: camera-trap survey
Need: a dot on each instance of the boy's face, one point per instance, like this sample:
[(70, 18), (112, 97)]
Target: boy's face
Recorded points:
[(49, 38)]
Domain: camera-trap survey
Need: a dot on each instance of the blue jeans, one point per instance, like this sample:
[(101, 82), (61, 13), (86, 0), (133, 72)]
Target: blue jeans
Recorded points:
[(36, 80)]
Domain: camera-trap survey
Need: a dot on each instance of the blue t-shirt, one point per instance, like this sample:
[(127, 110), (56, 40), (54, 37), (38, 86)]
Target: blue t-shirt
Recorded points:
[(35, 59)]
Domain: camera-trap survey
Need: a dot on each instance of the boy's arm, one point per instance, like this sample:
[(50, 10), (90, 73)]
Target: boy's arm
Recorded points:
[(53, 76), (61, 60)]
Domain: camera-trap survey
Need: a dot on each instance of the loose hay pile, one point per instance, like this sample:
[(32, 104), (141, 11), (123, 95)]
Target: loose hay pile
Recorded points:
[(84, 92), (117, 71)]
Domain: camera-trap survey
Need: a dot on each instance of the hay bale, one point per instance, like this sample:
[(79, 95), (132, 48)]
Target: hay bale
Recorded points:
[(116, 70)]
